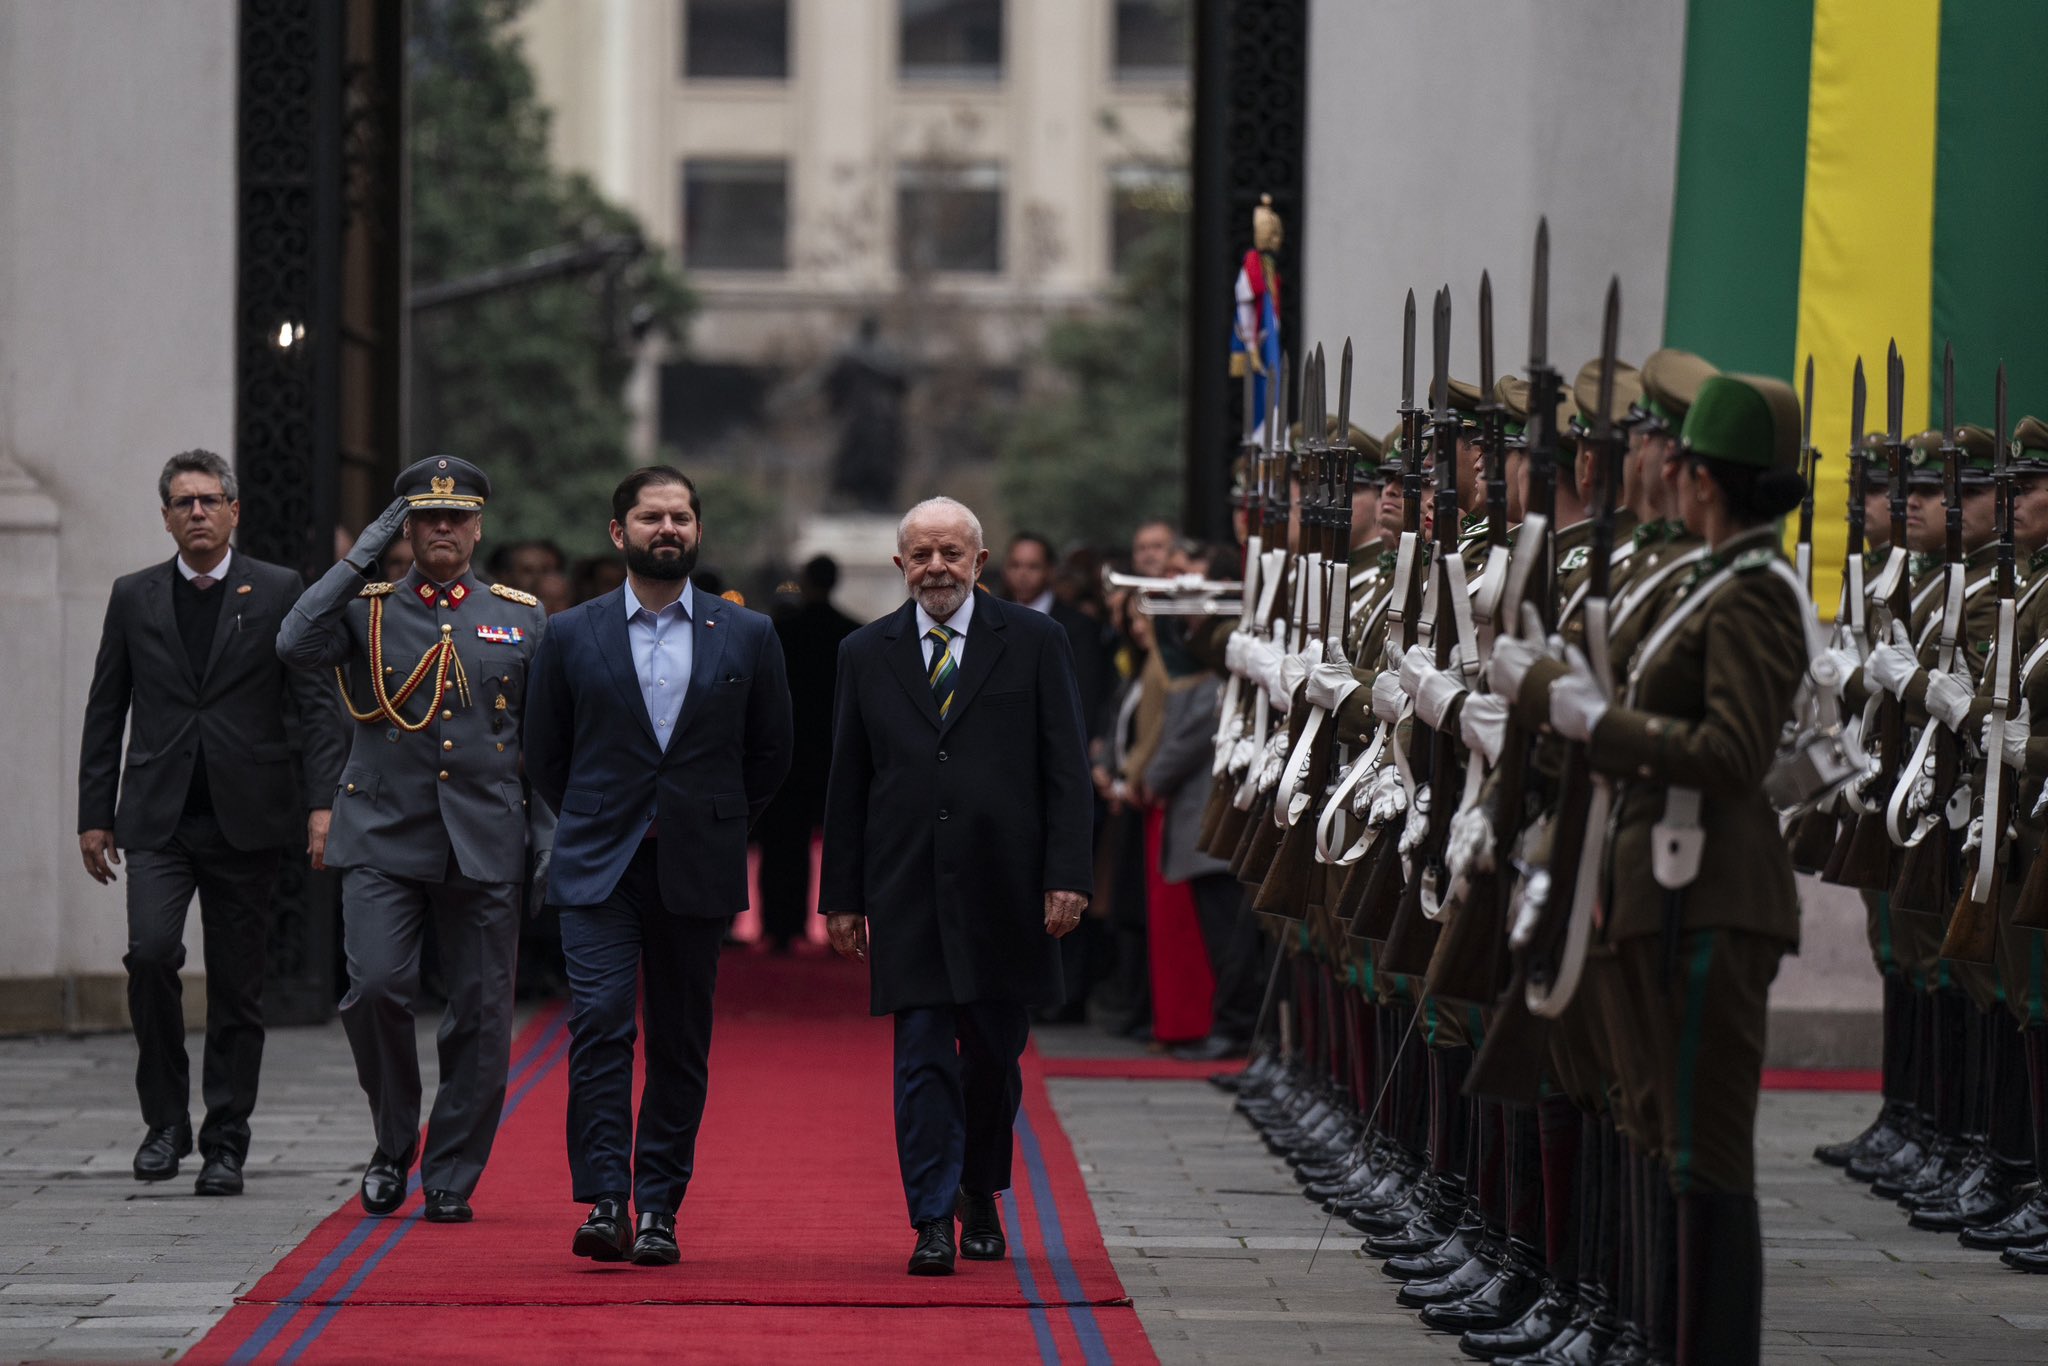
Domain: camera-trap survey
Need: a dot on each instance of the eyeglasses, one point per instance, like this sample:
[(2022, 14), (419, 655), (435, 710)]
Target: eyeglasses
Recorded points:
[(209, 502)]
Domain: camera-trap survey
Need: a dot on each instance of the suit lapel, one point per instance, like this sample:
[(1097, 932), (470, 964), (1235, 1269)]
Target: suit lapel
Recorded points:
[(905, 652), (709, 628), (984, 651), (608, 623), (165, 595), (229, 625)]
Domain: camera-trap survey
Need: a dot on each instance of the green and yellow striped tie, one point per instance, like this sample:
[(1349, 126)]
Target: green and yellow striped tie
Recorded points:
[(943, 668)]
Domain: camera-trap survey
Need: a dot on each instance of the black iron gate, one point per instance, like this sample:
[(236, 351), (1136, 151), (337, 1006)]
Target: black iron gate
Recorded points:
[(319, 341)]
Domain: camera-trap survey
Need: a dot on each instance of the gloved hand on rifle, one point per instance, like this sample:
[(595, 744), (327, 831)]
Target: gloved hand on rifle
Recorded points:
[(1433, 689), (377, 537), (1330, 684), (1512, 659), (1577, 701), (1948, 699), (2018, 726), (1388, 701), (1891, 666), (1483, 724)]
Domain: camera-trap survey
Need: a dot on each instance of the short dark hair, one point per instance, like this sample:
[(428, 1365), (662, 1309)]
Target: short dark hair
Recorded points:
[(197, 461), (821, 572), (651, 476), (1043, 543), (1167, 522)]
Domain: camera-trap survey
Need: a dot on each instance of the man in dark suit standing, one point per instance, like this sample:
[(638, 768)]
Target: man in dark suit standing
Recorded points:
[(658, 728), (206, 802), (810, 632), (957, 845)]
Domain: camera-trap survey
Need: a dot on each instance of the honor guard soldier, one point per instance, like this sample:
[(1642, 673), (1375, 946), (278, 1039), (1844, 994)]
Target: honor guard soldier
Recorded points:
[(432, 818)]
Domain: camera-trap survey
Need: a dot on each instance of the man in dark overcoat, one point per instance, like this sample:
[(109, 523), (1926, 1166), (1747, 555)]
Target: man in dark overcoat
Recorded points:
[(957, 851)]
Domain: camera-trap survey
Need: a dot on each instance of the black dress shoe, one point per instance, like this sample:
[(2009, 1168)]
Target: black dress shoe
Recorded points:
[(157, 1158), (934, 1253), (1215, 1048), (2034, 1259), (981, 1228), (446, 1207), (2024, 1227), (655, 1243), (1541, 1323), (1993, 1195), (1456, 1285), (605, 1235), (384, 1182), (1496, 1304), (222, 1175), (1884, 1137)]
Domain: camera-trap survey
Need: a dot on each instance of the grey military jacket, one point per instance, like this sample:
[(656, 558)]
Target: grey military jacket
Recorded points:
[(407, 799)]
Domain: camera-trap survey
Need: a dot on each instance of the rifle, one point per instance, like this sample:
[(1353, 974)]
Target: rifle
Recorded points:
[(1973, 929), (1371, 892), (1554, 938), (1510, 1065), (1231, 718), (1433, 753), (1813, 833), (1470, 963), (1870, 861), (1926, 871)]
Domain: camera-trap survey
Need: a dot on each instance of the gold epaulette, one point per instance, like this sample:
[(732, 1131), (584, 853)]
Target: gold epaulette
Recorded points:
[(375, 590), (515, 595)]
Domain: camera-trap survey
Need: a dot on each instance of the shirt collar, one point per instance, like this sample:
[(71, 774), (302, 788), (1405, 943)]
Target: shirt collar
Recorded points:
[(957, 624), (1041, 603), (687, 603), (217, 573)]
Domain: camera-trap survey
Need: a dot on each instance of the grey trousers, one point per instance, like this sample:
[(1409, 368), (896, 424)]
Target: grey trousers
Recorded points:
[(476, 926)]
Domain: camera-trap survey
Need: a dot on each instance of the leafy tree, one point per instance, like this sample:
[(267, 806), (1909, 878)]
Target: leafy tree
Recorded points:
[(1102, 451), (527, 381)]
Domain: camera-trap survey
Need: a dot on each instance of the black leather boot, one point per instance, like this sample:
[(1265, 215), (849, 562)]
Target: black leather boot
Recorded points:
[(1515, 1286), (1454, 1285), (1546, 1318), (1446, 1256)]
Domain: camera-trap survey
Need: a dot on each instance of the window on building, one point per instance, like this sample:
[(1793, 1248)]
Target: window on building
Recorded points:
[(735, 215), (951, 39), (1151, 39), (949, 218), (736, 39), (1143, 199)]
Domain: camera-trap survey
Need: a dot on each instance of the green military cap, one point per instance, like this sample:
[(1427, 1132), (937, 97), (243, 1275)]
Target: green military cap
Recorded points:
[(1877, 470), (1670, 380), (442, 481), (2030, 446), (1512, 393), (1745, 420), (1925, 465), (1465, 400), (1628, 387), (1365, 451)]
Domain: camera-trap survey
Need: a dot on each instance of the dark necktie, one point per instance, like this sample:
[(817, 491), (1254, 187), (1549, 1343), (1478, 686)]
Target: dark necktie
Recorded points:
[(943, 667), (202, 582)]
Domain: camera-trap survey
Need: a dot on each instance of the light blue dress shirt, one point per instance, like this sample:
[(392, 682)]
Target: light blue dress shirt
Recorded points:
[(663, 651), (962, 615)]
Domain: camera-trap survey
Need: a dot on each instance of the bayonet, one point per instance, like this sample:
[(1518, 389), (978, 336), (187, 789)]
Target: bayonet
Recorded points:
[(1809, 469), (1492, 424)]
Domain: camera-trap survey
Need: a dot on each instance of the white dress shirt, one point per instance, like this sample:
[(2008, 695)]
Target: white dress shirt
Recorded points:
[(664, 650), (957, 623), (217, 573)]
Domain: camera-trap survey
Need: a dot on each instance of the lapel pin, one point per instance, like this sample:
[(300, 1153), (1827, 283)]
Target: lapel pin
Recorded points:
[(245, 588)]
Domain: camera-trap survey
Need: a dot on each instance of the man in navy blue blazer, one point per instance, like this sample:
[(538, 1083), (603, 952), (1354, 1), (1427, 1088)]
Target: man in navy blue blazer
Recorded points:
[(658, 726)]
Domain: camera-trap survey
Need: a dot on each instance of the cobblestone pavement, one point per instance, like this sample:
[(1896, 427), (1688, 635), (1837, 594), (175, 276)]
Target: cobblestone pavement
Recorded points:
[(1207, 1229)]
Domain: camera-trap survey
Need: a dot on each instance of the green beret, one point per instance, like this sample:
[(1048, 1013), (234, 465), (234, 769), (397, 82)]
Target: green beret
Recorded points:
[(1628, 387), (1745, 420), (1671, 380)]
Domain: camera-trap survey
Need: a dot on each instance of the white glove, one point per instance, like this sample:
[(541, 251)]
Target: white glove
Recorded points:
[(1287, 676), (1891, 667), (1330, 684), (1388, 701), (1845, 663), (1577, 701), (1437, 693), (1417, 664), (1948, 699), (1235, 650), (1262, 663), (1389, 798), (1511, 661), (2018, 726), (1484, 725)]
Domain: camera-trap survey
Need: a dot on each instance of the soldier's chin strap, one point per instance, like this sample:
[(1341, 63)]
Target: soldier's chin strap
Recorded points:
[(440, 660)]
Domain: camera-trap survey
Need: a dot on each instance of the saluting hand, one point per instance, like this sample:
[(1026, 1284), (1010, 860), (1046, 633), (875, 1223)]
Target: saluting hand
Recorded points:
[(1063, 912), (849, 936)]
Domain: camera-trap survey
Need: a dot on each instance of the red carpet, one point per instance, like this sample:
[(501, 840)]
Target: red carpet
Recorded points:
[(1138, 1069), (1821, 1079), (794, 1232)]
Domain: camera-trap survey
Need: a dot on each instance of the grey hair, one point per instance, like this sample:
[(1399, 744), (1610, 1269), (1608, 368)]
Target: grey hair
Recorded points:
[(940, 504), (197, 462)]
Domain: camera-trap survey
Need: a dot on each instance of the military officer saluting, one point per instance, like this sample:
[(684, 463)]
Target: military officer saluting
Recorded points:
[(431, 818)]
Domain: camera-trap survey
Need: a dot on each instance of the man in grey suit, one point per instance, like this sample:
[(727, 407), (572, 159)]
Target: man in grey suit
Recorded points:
[(432, 818), (205, 801)]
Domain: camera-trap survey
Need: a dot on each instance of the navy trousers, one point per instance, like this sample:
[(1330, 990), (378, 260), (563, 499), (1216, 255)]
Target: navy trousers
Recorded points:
[(957, 1090), (606, 947)]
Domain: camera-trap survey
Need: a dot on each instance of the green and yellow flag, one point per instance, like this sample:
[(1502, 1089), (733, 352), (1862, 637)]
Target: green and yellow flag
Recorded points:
[(1853, 171)]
